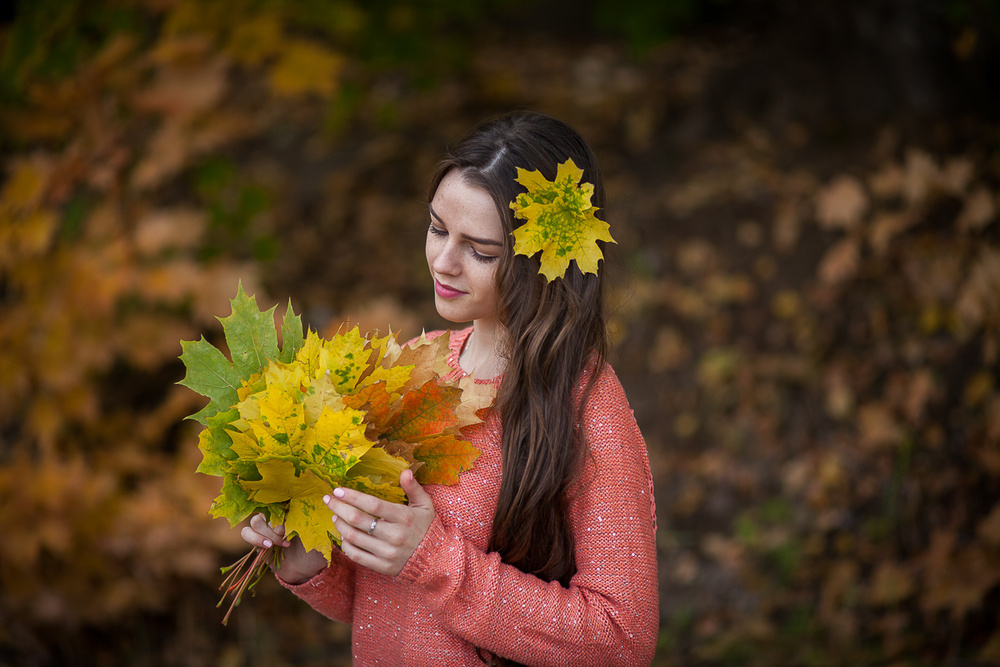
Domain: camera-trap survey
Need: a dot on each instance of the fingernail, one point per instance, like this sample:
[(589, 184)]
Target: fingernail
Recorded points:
[(267, 544), (338, 492), (326, 500)]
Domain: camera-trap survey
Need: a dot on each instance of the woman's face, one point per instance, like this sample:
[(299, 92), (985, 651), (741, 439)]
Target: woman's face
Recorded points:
[(464, 243)]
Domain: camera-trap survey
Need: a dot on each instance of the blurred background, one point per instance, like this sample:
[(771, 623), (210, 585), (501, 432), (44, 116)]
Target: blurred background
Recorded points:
[(806, 295)]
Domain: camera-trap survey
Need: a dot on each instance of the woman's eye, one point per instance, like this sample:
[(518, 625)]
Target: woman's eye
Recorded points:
[(486, 259), (437, 231)]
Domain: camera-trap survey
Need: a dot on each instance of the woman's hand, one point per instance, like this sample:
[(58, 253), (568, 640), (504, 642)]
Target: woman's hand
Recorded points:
[(398, 528), (297, 565)]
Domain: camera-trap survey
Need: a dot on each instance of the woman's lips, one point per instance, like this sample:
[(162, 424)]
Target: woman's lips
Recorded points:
[(446, 292)]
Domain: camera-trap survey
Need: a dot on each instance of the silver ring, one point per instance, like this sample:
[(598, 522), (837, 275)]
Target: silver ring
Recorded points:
[(371, 529)]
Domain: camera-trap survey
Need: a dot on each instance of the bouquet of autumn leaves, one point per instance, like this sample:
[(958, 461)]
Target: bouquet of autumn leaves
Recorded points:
[(285, 425)]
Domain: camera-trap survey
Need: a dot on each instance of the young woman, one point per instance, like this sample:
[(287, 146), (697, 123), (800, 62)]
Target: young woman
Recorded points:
[(543, 553)]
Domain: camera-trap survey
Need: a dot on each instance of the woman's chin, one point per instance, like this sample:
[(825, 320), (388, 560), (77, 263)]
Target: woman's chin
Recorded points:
[(450, 315), (449, 311), (453, 319)]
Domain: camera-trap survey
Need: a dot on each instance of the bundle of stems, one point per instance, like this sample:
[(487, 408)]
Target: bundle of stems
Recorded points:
[(246, 573)]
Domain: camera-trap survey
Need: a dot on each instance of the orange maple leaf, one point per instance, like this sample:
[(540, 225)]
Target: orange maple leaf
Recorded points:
[(427, 410), (444, 458)]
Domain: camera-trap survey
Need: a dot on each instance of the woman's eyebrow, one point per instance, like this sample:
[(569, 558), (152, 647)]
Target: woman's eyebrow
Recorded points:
[(474, 239)]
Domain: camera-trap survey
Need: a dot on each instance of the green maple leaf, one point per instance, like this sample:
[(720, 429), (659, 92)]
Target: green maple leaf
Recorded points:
[(233, 503), (250, 334), (252, 341), (292, 337), (210, 374), (215, 443), (560, 221)]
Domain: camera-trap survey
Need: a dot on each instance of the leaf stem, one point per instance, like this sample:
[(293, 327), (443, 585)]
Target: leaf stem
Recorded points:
[(242, 577)]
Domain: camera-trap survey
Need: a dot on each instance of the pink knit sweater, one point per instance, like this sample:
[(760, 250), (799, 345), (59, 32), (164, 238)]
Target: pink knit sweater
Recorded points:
[(452, 596)]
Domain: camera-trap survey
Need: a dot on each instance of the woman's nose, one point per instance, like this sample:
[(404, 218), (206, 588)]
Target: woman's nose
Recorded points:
[(446, 259)]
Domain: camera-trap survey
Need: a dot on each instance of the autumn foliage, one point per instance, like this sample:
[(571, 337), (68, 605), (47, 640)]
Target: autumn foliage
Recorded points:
[(284, 427), (857, 427), (809, 328)]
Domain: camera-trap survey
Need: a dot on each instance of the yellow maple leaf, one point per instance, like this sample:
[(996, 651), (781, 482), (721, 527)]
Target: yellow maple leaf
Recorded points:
[(344, 357), (560, 221), (390, 491), (245, 445), (340, 441), (320, 395), (282, 422), (309, 354), (307, 516), (288, 376), (380, 466), (247, 388), (385, 351), (394, 377)]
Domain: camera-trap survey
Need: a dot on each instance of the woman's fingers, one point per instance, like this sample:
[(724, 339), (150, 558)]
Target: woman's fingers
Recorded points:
[(381, 543), (379, 534), (357, 507), (354, 514), (297, 565), (371, 560), (261, 534), (253, 538), (415, 494)]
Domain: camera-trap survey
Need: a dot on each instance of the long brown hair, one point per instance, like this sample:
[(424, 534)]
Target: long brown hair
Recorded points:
[(555, 332)]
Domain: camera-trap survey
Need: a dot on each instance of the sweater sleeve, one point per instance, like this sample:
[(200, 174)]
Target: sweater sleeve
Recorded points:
[(609, 614), (331, 592)]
